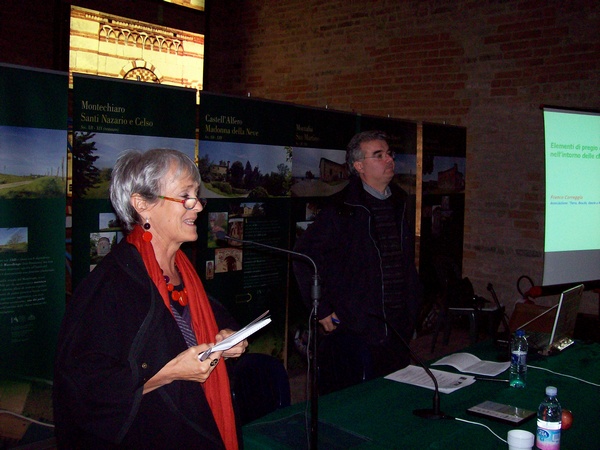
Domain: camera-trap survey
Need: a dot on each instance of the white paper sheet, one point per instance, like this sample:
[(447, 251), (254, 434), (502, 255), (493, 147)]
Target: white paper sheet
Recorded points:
[(466, 362), (447, 382), (239, 336)]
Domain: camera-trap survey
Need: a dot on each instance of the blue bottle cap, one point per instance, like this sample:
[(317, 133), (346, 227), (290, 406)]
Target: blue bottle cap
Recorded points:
[(551, 390)]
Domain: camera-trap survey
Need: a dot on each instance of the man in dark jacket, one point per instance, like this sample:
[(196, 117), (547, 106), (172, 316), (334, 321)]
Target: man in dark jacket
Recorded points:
[(364, 250)]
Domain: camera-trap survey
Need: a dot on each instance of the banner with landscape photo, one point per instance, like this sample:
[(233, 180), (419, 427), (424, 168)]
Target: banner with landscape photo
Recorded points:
[(33, 175), (245, 160), (109, 117)]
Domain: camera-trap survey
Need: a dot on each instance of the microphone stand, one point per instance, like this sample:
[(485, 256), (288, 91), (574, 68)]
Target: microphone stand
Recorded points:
[(315, 294), (503, 344), (490, 288), (434, 412)]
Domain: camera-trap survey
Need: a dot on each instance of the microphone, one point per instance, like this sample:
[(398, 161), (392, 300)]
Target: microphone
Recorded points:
[(315, 296), (435, 412), (316, 287)]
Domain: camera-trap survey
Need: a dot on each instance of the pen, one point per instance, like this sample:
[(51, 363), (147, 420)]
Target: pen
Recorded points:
[(491, 379)]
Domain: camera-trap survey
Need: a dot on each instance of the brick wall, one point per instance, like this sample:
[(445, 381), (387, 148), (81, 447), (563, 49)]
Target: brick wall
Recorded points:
[(485, 65)]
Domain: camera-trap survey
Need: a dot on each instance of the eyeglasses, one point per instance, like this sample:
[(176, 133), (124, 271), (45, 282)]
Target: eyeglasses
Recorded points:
[(381, 155), (188, 203)]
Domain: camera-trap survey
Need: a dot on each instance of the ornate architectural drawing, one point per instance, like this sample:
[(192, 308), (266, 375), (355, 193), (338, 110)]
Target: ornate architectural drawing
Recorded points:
[(112, 46)]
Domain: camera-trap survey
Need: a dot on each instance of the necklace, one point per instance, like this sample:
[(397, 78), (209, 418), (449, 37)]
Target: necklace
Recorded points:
[(180, 296)]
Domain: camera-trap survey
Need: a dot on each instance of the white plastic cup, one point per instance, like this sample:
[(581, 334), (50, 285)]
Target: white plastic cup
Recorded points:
[(520, 440)]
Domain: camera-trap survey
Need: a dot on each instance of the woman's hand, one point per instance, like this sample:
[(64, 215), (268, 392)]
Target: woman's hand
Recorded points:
[(235, 351), (185, 366)]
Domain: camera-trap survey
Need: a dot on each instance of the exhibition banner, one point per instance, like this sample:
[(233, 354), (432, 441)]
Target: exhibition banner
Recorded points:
[(109, 117), (319, 167), (267, 169), (320, 140), (245, 160), (33, 139), (442, 212)]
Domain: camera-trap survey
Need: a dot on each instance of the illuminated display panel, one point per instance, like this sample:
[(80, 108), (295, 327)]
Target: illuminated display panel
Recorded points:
[(113, 46), (195, 4)]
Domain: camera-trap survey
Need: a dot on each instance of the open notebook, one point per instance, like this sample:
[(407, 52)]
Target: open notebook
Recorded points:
[(563, 327)]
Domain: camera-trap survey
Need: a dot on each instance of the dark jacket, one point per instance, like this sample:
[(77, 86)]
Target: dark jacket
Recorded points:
[(116, 334), (343, 243)]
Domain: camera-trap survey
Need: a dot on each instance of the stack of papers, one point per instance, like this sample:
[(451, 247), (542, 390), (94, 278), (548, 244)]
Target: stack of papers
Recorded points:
[(239, 336), (449, 382), (466, 362), (416, 375)]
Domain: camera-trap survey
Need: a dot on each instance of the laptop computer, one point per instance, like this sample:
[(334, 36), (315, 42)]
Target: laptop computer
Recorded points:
[(561, 335)]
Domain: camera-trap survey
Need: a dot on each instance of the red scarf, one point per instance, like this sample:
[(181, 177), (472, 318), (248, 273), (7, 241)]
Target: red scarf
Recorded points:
[(216, 387)]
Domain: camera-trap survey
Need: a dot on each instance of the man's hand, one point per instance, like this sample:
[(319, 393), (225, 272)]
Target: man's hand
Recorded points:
[(330, 322)]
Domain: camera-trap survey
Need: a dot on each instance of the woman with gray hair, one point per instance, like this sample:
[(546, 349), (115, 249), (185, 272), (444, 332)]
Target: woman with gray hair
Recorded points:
[(128, 372)]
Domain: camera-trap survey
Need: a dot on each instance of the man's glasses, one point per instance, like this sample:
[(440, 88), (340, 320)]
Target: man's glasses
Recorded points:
[(188, 203), (381, 155)]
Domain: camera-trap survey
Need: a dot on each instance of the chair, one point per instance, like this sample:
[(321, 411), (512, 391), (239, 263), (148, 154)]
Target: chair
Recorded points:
[(259, 385), (458, 300)]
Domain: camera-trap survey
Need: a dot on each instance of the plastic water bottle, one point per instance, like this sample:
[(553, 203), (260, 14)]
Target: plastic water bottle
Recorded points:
[(549, 422), (518, 360)]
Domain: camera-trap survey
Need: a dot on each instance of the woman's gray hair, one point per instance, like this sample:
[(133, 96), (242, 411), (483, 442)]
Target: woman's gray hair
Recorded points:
[(143, 173), (353, 151)]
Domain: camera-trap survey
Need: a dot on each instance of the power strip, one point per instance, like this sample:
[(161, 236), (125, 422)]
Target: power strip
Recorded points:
[(501, 412)]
